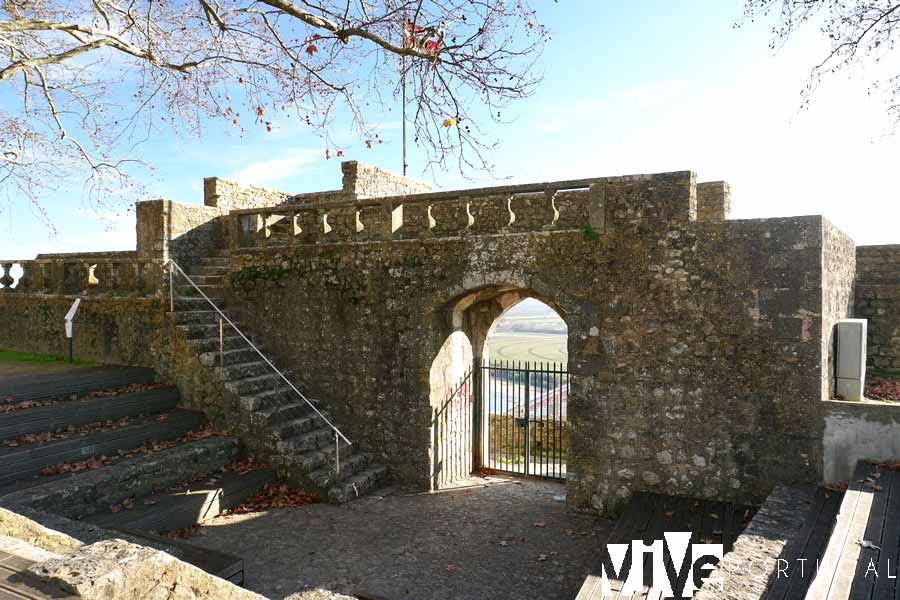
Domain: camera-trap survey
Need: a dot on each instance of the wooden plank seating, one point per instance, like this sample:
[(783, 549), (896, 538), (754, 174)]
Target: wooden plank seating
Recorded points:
[(16, 583), (188, 506), (866, 536), (647, 516), (29, 460), (75, 381), (52, 418), (805, 548)]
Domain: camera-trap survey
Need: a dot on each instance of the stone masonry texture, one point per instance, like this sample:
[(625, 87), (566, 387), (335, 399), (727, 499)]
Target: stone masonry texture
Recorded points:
[(699, 347), (878, 300), (696, 347)]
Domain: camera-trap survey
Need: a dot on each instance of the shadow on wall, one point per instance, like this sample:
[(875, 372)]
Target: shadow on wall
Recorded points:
[(451, 403)]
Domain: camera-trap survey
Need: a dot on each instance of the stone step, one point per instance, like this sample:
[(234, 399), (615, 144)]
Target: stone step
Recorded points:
[(281, 413), (251, 385), (289, 429), (325, 478), (310, 440), (200, 317), (308, 461), (28, 460), (209, 270), (211, 344), (195, 331), (187, 290), (79, 495), (241, 355), (188, 505), (197, 303), (218, 261), (202, 280), (268, 399), (56, 417), (238, 371), (357, 485)]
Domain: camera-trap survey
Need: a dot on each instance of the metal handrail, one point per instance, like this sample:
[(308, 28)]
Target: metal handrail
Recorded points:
[(173, 265)]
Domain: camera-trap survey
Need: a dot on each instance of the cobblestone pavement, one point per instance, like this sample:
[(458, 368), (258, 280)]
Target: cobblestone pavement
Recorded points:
[(497, 539)]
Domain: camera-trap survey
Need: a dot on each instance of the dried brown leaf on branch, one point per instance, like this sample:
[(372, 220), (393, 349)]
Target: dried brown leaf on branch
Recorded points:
[(86, 85)]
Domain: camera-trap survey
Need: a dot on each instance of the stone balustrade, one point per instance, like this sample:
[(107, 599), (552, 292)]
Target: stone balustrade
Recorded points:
[(510, 209), (82, 275)]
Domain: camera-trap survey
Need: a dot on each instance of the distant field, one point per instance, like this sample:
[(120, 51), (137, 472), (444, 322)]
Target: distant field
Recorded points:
[(531, 347)]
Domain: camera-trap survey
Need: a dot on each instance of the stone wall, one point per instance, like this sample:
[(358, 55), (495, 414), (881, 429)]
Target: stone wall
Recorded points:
[(229, 195), (878, 300), (181, 231), (697, 347), (366, 181), (106, 329)]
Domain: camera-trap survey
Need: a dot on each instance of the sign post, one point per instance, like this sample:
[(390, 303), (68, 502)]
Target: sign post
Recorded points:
[(70, 316)]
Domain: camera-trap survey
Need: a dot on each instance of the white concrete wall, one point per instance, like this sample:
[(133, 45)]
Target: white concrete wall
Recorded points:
[(856, 431)]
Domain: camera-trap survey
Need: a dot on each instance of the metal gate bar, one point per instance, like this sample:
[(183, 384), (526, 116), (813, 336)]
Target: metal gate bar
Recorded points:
[(525, 416)]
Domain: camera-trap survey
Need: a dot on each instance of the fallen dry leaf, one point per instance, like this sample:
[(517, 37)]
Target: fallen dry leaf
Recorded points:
[(275, 495)]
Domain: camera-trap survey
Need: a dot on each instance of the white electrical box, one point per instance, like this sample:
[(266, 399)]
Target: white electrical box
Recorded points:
[(850, 359)]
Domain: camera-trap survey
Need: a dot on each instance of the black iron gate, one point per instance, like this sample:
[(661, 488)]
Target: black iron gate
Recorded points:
[(523, 417)]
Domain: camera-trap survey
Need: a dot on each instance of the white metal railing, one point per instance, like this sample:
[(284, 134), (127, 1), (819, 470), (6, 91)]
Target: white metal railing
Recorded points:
[(173, 266)]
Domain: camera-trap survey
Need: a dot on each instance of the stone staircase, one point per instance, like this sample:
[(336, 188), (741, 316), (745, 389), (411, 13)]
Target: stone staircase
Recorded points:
[(291, 435), (108, 447)]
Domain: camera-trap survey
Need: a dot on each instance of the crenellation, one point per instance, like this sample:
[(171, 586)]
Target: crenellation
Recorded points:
[(713, 201)]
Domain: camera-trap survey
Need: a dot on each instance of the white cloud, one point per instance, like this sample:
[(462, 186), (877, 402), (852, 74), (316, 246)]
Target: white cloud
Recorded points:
[(267, 173)]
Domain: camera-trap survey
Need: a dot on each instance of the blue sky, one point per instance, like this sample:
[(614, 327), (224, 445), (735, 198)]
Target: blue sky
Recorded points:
[(630, 87)]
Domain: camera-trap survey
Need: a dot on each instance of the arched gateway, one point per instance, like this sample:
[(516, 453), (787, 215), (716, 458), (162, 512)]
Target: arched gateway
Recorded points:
[(499, 415)]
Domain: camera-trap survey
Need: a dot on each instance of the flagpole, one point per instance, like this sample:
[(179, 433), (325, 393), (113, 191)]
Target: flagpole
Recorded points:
[(403, 85)]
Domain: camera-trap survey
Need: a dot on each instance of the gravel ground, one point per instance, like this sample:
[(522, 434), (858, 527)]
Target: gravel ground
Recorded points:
[(496, 539)]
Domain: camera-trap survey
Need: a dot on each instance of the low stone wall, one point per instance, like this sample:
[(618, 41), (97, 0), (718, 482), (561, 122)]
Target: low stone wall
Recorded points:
[(107, 329), (878, 301), (112, 568), (119, 569), (857, 431)]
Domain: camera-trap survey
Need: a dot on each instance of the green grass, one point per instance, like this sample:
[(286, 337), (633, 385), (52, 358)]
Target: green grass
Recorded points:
[(13, 356), (528, 347)]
